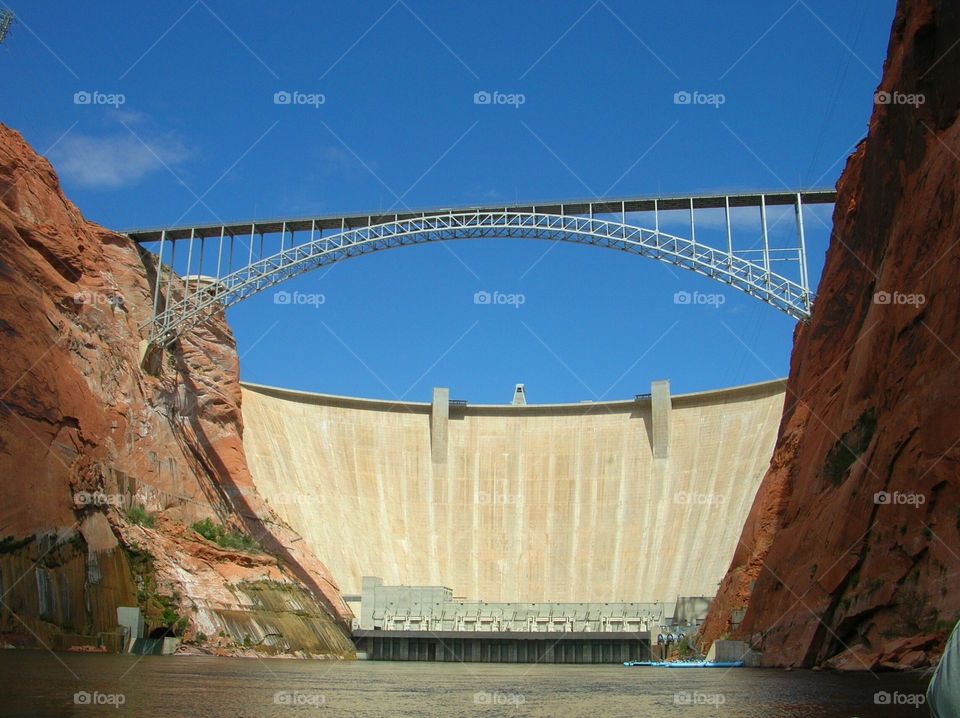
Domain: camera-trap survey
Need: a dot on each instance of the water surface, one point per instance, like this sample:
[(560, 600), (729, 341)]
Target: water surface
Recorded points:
[(38, 683)]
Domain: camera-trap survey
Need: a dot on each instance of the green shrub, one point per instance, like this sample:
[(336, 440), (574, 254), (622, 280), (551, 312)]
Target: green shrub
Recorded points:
[(9, 544), (139, 515), (225, 537)]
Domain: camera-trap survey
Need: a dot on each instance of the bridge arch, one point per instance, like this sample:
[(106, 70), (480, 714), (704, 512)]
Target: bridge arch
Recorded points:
[(728, 267)]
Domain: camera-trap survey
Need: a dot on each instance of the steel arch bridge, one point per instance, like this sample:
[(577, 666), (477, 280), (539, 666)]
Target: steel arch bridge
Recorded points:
[(601, 223)]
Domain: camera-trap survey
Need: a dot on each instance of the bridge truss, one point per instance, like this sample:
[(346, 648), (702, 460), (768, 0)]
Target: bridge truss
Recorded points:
[(274, 255)]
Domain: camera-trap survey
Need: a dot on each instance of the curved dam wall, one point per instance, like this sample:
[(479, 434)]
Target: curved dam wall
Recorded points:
[(564, 503)]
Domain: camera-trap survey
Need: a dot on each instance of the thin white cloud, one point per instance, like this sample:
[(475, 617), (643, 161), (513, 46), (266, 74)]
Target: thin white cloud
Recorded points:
[(115, 160), (131, 117), (338, 162)]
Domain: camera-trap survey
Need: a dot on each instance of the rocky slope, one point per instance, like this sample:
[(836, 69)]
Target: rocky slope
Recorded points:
[(851, 554), (103, 467)]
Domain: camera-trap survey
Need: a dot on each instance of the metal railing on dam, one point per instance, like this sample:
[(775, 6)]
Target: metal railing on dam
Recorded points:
[(640, 500)]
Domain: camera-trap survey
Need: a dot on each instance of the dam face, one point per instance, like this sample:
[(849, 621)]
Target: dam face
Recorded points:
[(545, 503)]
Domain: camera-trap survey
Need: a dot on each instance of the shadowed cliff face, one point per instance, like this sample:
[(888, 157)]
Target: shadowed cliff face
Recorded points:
[(85, 435), (852, 543)]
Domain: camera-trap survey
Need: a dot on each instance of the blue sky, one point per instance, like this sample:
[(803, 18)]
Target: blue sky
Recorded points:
[(198, 137)]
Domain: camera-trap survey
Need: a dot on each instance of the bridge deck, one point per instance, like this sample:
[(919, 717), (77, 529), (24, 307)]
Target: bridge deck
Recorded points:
[(561, 207)]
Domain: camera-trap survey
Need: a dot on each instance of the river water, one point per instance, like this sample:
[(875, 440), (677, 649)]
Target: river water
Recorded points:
[(37, 683)]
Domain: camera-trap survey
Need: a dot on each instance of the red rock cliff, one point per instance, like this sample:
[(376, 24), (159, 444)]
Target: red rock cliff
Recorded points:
[(851, 550), (86, 438)]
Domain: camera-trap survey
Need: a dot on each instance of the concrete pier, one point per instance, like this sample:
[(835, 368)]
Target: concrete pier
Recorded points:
[(661, 409), (439, 420)]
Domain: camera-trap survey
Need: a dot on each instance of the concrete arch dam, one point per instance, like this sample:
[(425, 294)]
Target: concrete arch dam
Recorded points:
[(639, 500)]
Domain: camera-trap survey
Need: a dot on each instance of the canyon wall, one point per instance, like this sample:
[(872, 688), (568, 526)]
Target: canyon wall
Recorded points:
[(104, 467), (523, 503), (849, 556)]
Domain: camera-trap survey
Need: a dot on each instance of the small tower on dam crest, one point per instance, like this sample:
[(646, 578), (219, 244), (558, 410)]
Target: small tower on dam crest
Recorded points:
[(519, 396)]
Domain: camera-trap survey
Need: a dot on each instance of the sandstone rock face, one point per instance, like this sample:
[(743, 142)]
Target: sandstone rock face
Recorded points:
[(85, 434), (852, 541)]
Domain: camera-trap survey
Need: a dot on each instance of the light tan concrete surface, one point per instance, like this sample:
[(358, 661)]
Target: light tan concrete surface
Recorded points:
[(534, 503)]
